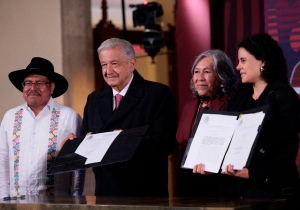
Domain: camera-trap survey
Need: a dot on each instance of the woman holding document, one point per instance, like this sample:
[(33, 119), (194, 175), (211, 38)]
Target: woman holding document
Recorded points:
[(213, 81), (272, 172)]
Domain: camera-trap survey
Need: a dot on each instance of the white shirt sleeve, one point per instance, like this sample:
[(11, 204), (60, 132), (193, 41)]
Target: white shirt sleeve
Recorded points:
[(70, 123), (4, 158)]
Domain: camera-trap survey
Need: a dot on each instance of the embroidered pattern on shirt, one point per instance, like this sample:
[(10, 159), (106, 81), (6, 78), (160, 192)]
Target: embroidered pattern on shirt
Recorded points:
[(51, 150), (16, 148)]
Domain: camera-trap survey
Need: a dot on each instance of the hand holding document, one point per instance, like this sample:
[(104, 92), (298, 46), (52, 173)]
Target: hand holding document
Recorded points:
[(98, 150), (227, 136), (94, 146), (211, 141)]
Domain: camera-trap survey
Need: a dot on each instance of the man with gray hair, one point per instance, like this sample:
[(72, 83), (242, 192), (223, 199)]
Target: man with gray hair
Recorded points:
[(129, 101)]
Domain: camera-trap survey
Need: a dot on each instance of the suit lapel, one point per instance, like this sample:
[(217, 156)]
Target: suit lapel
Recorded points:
[(130, 101), (104, 104), (127, 103)]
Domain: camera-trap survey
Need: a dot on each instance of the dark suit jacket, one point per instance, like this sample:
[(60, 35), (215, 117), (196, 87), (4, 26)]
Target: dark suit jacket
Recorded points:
[(145, 103), (272, 170)]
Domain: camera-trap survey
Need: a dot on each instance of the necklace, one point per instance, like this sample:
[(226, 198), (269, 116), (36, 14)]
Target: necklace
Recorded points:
[(206, 102)]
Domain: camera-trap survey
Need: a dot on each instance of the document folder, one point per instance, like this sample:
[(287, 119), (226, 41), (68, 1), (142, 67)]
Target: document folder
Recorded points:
[(216, 138), (122, 149)]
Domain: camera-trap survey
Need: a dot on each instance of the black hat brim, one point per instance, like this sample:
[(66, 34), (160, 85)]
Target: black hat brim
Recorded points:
[(18, 76)]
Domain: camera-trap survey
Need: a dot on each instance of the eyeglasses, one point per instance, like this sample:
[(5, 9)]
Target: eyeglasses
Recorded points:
[(28, 84)]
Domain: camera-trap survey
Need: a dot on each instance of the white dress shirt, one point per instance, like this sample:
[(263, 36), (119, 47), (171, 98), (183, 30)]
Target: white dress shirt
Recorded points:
[(33, 146), (123, 92)]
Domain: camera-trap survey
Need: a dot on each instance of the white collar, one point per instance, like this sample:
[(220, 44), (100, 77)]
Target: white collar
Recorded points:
[(125, 89), (48, 107)]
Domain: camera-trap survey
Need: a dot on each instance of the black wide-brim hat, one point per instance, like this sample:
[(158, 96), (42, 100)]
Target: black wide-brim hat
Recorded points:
[(43, 67)]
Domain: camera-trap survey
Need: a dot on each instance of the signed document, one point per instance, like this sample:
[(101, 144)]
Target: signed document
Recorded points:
[(211, 141), (94, 146), (242, 140), (223, 138)]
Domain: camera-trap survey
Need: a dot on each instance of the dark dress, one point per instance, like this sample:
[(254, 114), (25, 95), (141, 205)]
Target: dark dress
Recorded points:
[(272, 170), (190, 184), (145, 103)]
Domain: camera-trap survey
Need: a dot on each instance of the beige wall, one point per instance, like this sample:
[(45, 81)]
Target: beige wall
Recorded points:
[(28, 28)]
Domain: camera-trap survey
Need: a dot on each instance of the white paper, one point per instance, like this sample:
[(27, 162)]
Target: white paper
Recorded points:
[(94, 146), (211, 141), (242, 140)]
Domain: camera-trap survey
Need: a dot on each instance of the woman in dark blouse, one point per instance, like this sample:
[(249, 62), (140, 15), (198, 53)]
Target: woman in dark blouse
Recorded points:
[(272, 172)]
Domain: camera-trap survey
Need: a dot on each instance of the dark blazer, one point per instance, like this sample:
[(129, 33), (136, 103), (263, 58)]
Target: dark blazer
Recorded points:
[(145, 103), (272, 170)]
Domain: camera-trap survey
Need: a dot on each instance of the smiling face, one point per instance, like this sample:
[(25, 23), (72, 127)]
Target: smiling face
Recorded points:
[(37, 97), (249, 67), (117, 69), (204, 78)]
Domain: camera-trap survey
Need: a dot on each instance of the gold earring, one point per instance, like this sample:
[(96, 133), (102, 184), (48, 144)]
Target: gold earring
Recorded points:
[(261, 69)]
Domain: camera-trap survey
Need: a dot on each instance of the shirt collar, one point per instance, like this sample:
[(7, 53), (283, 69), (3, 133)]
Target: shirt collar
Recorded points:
[(125, 89), (48, 106)]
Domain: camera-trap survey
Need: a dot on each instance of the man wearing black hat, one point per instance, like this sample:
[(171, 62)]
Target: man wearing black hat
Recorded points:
[(31, 133)]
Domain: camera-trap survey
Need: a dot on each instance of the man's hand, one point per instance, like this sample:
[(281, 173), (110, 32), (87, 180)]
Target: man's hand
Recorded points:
[(71, 136)]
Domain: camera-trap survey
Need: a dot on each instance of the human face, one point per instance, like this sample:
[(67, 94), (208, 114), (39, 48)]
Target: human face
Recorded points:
[(37, 98), (205, 80), (249, 67), (116, 68)]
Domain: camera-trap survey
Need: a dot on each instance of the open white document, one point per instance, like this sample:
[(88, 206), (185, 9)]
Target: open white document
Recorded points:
[(242, 140), (222, 134), (94, 146), (211, 141)]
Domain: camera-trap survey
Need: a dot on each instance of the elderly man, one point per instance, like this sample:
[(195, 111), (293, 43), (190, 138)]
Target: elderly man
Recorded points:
[(126, 102), (30, 133)]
